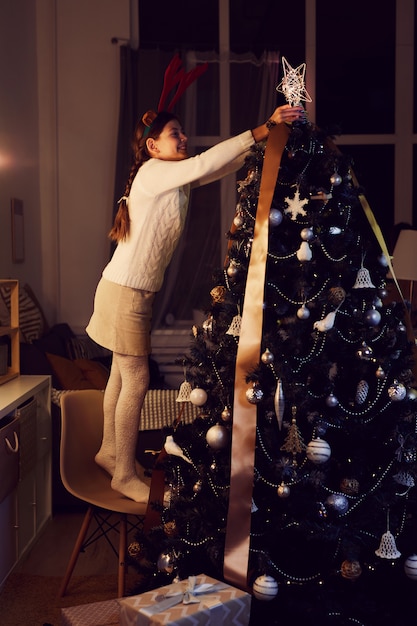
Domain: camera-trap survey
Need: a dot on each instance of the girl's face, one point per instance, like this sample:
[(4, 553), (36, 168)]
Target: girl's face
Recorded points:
[(171, 144)]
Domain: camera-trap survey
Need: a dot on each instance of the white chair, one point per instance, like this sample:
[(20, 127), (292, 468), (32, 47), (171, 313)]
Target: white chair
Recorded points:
[(81, 435)]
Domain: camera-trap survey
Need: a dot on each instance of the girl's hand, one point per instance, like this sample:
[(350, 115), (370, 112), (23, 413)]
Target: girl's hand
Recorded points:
[(287, 113)]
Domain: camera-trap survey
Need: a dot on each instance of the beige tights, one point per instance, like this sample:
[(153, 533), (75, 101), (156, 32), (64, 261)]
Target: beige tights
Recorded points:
[(123, 399)]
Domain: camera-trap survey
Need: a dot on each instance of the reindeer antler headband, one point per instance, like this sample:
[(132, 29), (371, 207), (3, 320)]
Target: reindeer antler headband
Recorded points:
[(175, 76)]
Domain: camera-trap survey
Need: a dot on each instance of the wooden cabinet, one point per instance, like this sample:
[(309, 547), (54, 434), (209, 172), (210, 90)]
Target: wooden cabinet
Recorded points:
[(10, 334), (25, 438)]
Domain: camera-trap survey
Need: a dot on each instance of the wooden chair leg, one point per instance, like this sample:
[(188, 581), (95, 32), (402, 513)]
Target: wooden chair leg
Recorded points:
[(122, 555), (76, 550)]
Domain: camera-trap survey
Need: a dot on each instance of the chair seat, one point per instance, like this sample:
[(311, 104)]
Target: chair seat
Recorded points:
[(98, 491)]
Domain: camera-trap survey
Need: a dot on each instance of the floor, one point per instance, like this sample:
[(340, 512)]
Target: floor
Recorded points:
[(51, 552)]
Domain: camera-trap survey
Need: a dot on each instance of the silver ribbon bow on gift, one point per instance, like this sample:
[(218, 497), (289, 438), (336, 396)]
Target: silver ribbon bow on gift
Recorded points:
[(193, 594)]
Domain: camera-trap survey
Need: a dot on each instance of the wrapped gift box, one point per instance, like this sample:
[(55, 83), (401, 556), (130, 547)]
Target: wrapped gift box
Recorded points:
[(94, 614), (212, 603)]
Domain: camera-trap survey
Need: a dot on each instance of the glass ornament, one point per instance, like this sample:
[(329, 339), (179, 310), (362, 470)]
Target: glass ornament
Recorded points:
[(318, 451), (372, 317), (338, 503), (267, 357), (380, 373), (265, 588), (335, 179), (307, 234), (365, 352), (303, 313), (397, 391), (238, 220), (350, 486), (331, 400), (410, 567), (165, 563), (275, 217), (361, 392), (255, 394), (134, 549), (217, 437), (351, 570), (226, 414), (198, 396), (233, 269), (283, 490)]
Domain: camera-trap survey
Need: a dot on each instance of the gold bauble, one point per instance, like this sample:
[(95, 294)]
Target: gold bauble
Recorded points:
[(351, 570), (170, 528), (218, 293), (134, 549), (349, 486), (336, 295)]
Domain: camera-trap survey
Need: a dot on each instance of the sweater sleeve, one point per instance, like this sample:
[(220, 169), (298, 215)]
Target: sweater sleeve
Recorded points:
[(158, 176)]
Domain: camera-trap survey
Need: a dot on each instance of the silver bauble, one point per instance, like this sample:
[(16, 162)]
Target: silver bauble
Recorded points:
[(275, 217), (397, 391), (165, 563), (198, 396), (372, 317), (233, 270), (283, 490), (255, 394), (380, 373), (412, 394), (338, 502), (303, 313), (307, 234), (365, 352), (226, 414), (267, 357), (335, 179), (217, 437), (238, 220), (331, 400)]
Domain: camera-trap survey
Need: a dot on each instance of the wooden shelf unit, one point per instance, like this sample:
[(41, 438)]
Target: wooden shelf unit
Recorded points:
[(12, 331)]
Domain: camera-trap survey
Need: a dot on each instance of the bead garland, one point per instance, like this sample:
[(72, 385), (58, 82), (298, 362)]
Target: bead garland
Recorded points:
[(299, 302)]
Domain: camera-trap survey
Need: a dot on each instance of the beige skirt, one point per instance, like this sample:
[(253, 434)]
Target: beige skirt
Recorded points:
[(121, 320)]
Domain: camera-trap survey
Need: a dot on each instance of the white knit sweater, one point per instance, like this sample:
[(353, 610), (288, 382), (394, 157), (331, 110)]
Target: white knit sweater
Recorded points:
[(158, 204)]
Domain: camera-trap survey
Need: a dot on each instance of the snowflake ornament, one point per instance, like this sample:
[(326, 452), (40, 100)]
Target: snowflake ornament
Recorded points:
[(295, 205), (293, 84)]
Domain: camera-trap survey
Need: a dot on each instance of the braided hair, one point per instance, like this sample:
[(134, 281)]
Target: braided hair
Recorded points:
[(144, 129)]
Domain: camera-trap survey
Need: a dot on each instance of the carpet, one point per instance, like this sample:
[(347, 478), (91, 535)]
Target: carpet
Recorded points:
[(29, 600)]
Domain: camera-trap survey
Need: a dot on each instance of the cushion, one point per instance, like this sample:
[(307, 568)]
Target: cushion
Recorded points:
[(78, 374), (32, 322)]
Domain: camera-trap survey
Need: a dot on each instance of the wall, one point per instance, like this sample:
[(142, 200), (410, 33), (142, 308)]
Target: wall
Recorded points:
[(59, 73)]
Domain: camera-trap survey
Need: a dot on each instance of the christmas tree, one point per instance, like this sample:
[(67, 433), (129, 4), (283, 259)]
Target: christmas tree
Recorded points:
[(332, 503)]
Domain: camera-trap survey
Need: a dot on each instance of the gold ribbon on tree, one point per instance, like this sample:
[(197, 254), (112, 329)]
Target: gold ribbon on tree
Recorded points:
[(236, 556)]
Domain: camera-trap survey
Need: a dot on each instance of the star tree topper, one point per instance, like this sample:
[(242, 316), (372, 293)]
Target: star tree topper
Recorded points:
[(293, 84)]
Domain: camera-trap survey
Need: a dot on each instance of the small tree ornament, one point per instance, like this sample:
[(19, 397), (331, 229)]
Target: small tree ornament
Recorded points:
[(293, 442)]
